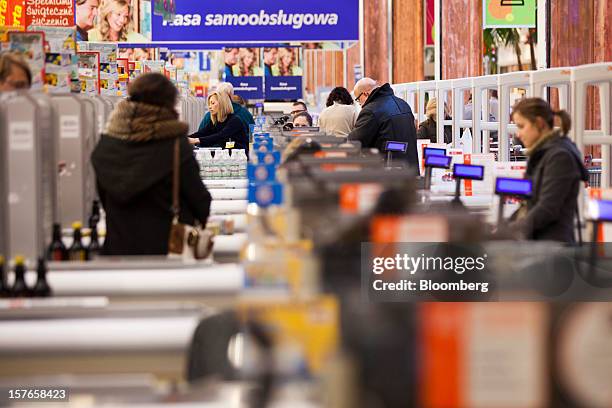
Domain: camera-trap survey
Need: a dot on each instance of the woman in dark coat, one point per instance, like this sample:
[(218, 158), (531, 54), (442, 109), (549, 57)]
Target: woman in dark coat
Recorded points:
[(225, 130), (556, 168), (429, 128), (133, 163)]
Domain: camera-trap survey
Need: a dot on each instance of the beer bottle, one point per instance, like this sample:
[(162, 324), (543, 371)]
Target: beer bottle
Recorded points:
[(77, 252), (4, 288), (57, 250), (95, 214), (42, 288), (94, 245), (20, 288)]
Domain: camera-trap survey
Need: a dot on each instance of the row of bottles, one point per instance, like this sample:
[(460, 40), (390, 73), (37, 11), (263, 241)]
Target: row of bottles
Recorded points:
[(20, 288), (77, 251), (222, 163)]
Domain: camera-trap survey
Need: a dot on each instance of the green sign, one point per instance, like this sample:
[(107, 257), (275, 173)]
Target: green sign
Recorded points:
[(509, 13)]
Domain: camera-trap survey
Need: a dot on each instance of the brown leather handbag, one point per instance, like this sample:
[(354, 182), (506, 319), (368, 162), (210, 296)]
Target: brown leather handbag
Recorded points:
[(186, 241)]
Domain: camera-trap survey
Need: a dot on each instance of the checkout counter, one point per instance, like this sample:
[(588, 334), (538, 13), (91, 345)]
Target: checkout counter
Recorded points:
[(296, 250)]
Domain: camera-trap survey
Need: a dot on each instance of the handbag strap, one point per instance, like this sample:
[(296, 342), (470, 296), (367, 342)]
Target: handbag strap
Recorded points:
[(176, 178)]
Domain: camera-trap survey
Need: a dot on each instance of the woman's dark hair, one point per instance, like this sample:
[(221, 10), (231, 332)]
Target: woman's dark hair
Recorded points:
[(153, 89), (340, 95), (533, 108), (8, 60), (306, 115)]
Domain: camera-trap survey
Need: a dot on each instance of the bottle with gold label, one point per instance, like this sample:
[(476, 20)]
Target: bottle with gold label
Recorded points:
[(57, 250), (77, 251)]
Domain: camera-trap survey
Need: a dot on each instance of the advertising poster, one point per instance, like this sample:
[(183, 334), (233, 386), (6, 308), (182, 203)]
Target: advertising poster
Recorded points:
[(111, 21), (12, 13), (89, 72), (154, 66), (165, 8), (4, 31), (60, 67), (509, 13), (31, 46), (283, 73), (273, 21), (243, 69), (146, 13), (123, 73), (137, 54), (186, 60), (109, 75), (59, 13), (430, 19)]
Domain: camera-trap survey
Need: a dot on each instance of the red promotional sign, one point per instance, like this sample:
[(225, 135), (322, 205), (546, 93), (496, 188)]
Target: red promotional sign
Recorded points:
[(429, 23), (12, 13), (49, 13)]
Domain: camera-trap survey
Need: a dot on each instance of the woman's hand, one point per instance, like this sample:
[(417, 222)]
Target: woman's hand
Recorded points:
[(194, 140)]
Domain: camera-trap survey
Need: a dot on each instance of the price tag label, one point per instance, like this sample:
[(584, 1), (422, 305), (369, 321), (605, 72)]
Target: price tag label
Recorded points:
[(21, 136), (229, 145)]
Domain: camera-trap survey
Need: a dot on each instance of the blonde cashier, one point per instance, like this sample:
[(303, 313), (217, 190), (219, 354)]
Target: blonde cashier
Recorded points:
[(225, 130)]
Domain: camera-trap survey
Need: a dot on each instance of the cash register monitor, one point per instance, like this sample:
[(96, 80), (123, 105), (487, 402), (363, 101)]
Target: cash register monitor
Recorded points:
[(513, 187)]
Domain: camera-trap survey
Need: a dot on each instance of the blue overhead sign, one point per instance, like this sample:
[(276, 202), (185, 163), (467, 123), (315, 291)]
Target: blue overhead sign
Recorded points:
[(249, 88), (283, 88), (251, 21)]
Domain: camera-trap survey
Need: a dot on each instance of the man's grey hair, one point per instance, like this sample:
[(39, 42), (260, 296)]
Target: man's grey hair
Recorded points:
[(226, 87), (365, 85)]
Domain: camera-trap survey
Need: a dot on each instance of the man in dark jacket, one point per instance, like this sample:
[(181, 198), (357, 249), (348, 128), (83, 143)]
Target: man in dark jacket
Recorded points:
[(384, 117)]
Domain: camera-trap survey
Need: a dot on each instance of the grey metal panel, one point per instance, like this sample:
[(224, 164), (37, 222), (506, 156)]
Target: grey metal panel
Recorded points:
[(3, 175), (91, 139), (101, 112), (30, 189), (76, 127)]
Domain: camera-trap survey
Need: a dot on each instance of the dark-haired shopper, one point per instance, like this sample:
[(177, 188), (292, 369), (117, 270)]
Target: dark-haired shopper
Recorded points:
[(134, 165), (338, 118), (556, 168)]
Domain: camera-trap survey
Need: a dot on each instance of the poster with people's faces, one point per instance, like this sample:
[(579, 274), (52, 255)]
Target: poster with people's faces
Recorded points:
[(283, 73), (109, 21), (243, 69), (137, 54)]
